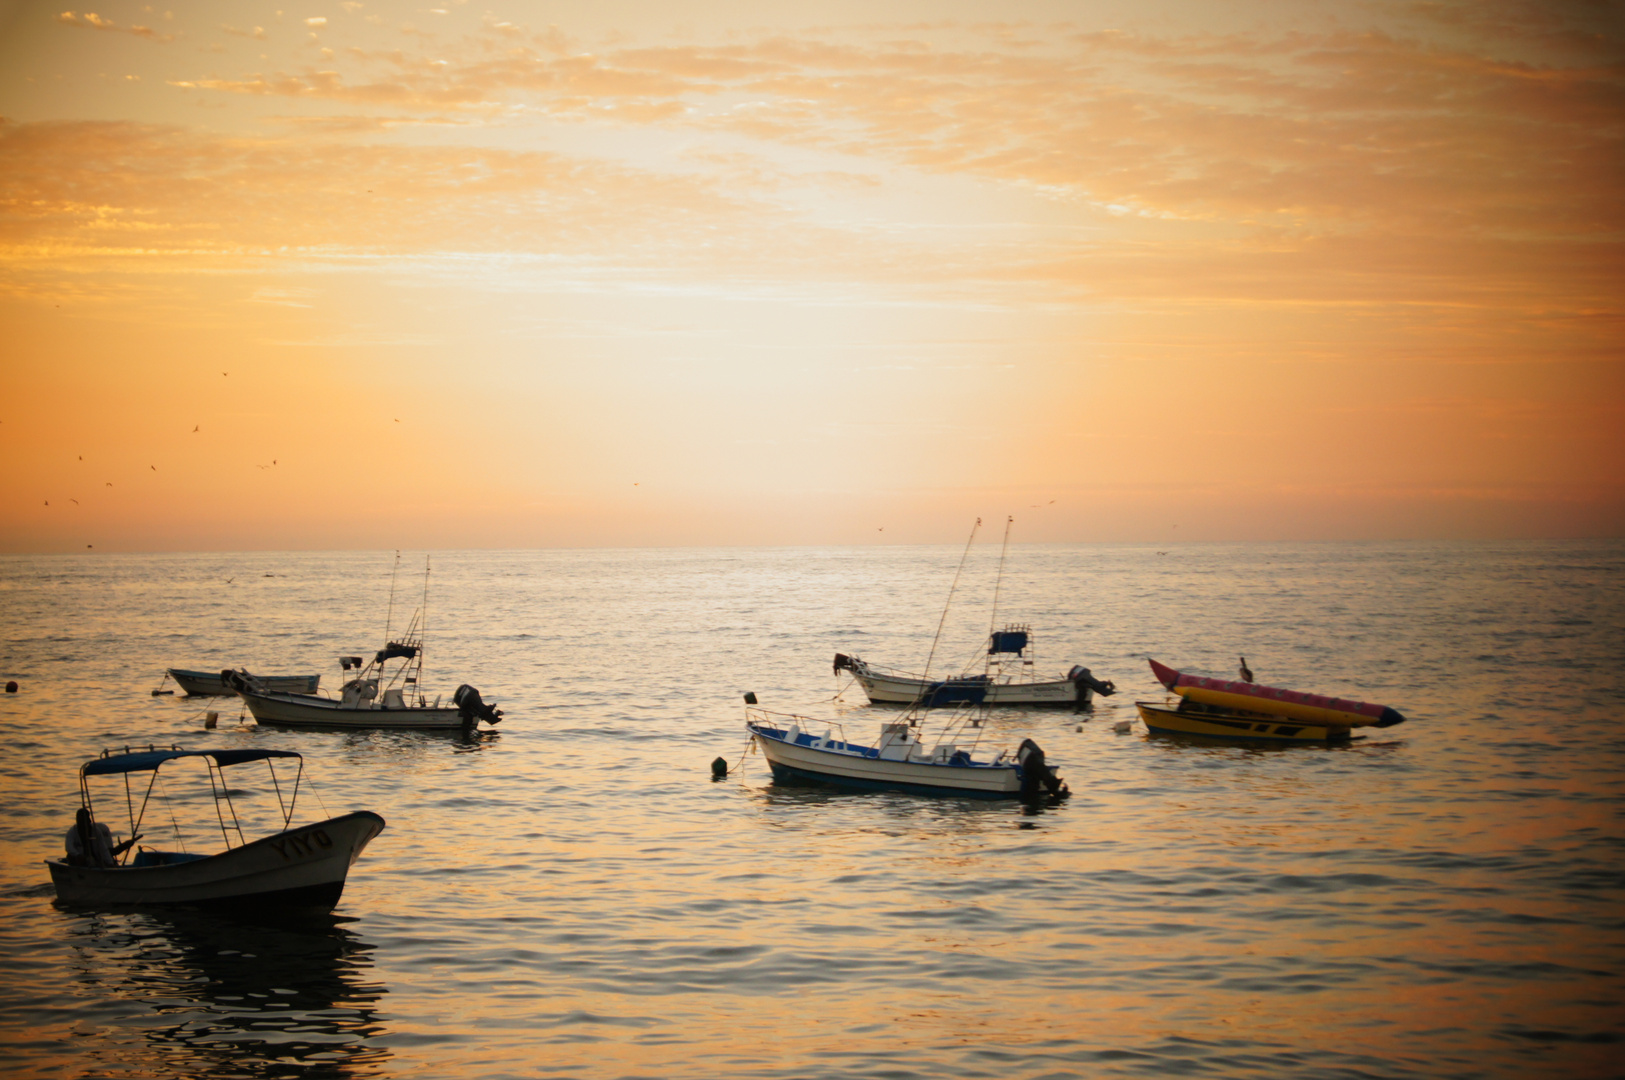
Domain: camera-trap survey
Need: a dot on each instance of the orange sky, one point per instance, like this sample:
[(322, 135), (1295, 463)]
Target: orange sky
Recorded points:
[(519, 274)]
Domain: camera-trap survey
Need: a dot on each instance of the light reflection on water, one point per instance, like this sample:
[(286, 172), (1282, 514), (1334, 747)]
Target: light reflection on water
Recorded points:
[(573, 895)]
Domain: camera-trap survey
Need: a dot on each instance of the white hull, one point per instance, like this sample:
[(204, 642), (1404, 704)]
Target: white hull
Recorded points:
[(812, 758), (886, 689), (300, 710), (205, 684), (302, 868)]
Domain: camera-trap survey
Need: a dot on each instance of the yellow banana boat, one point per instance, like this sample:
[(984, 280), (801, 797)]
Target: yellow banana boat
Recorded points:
[(1248, 710)]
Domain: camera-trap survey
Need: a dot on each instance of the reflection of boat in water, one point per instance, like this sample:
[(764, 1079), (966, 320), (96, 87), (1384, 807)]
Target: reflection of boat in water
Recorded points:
[(196, 993), (376, 696), (211, 684), (295, 868), (1227, 709)]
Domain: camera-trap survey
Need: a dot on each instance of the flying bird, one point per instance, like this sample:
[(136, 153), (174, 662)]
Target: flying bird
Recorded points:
[(110, 483), (74, 501), (1246, 672), (47, 502), (154, 468), (194, 430)]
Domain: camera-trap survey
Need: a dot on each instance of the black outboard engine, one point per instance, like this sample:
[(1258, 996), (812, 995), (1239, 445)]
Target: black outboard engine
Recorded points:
[(1082, 680), (843, 662), (237, 681), (471, 709), (1037, 777)]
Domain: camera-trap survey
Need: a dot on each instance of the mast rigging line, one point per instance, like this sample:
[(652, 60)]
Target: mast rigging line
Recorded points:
[(942, 621), (993, 619)]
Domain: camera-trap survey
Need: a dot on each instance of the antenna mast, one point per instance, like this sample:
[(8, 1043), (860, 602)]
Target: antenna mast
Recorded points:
[(993, 620), (389, 617), (951, 588)]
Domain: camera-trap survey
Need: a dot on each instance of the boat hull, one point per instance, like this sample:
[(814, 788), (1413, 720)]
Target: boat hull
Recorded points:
[(1248, 727), (886, 689), (1294, 704), (303, 869), (301, 710), (209, 684), (851, 766)]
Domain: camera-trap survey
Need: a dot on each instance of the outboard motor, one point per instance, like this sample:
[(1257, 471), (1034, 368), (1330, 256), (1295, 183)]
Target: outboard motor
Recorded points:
[(1036, 776), (238, 681), (1083, 681), (843, 662), (471, 709)]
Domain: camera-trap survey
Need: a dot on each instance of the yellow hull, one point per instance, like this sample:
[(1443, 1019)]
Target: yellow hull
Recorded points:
[(1250, 697), (1303, 714), (1241, 724)]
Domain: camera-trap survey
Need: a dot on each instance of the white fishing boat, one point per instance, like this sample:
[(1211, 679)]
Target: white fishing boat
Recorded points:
[(210, 684), (801, 749), (296, 868), (1005, 675), (1008, 680), (906, 757), (375, 693)]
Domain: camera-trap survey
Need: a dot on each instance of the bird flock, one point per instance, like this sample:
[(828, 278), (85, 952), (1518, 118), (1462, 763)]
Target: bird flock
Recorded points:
[(197, 429)]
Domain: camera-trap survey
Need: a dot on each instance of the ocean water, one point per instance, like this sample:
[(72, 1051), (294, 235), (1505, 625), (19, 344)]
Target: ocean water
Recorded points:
[(574, 896)]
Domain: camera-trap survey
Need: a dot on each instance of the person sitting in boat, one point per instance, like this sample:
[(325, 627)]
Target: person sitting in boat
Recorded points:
[(90, 843)]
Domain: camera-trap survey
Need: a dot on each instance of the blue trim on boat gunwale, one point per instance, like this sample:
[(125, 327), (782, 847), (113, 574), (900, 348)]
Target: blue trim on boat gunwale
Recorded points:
[(791, 774)]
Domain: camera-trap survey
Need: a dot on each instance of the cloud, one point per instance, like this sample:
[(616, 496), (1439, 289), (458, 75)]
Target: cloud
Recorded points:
[(1335, 131), (90, 20)]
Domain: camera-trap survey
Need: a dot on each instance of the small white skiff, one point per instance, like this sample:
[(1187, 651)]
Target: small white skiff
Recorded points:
[(299, 868), (210, 684)]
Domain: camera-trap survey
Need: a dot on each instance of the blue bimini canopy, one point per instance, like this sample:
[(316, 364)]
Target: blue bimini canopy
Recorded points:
[(395, 649), (1007, 641), (148, 760)]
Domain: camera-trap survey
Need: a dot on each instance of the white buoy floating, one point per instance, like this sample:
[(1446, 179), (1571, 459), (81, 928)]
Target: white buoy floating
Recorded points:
[(1123, 727)]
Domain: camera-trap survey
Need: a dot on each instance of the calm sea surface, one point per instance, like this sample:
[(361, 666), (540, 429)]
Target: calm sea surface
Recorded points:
[(573, 896)]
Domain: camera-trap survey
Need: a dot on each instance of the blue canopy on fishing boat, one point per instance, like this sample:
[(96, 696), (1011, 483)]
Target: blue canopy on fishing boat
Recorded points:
[(147, 760), (1007, 641), (395, 649)]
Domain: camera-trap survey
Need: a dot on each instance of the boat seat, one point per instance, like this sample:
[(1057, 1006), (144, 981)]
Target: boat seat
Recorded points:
[(393, 698), (148, 857)]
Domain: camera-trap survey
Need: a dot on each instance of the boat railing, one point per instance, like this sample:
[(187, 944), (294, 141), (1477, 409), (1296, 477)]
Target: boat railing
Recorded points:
[(805, 725)]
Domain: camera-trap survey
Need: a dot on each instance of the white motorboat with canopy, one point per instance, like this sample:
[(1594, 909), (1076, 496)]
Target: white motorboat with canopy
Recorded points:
[(907, 757), (376, 693), (295, 868), (1005, 678)]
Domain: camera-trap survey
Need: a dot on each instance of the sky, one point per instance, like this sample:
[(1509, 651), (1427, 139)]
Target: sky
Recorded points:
[(519, 274)]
